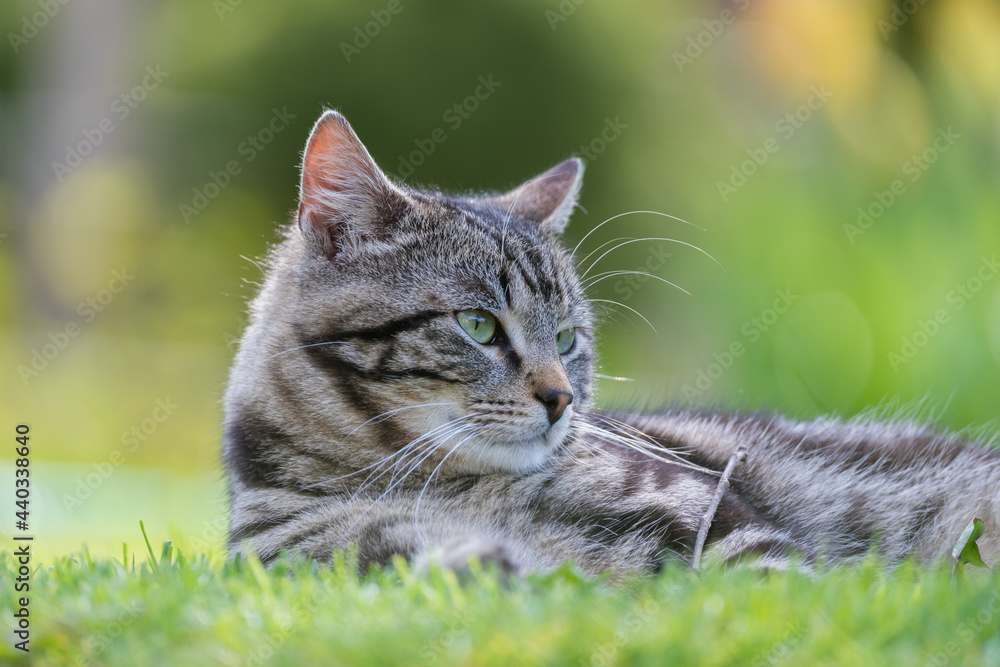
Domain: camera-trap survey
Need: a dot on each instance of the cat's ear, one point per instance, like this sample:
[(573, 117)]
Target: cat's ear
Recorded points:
[(548, 199), (343, 192)]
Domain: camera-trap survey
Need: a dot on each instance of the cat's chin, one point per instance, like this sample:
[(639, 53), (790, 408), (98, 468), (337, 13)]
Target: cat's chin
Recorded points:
[(515, 455)]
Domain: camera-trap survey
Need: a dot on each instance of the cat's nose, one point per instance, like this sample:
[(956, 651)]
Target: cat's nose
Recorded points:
[(555, 402)]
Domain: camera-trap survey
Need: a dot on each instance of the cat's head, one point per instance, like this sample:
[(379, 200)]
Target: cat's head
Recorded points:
[(455, 323)]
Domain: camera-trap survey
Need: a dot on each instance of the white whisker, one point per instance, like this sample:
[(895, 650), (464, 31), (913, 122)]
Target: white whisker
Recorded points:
[(611, 274), (420, 497), (300, 347), (263, 269), (603, 245), (625, 243), (412, 452), (629, 308), (614, 377), (385, 415), (629, 437), (615, 217)]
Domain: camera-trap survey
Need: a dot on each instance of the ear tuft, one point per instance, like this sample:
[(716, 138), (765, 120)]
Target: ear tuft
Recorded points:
[(342, 190), (547, 199)]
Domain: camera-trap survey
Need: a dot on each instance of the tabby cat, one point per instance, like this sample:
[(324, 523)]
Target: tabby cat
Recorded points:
[(417, 379)]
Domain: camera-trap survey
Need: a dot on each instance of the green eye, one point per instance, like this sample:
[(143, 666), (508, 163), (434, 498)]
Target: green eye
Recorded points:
[(565, 340), (479, 324)]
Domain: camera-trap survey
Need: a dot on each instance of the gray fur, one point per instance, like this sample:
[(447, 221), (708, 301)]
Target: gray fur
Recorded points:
[(360, 413)]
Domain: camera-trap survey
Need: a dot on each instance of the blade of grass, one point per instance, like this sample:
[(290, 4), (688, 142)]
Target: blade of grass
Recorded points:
[(152, 559)]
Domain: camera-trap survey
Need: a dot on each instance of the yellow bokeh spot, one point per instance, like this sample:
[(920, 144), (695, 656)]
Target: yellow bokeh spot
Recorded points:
[(89, 225), (967, 33), (877, 103)]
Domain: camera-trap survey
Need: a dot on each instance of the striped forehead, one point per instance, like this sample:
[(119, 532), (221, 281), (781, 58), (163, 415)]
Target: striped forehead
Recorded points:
[(502, 258), (524, 269)]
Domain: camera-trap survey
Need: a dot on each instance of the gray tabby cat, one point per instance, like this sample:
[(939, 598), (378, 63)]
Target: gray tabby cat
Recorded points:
[(417, 376)]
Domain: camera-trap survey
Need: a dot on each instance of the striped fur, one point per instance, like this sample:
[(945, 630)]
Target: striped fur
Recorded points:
[(360, 413)]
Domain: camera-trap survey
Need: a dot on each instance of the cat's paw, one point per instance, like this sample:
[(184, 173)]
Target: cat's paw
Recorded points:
[(456, 554)]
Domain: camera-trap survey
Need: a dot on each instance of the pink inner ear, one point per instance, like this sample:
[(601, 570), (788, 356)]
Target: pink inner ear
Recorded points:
[(332, 156), (340, 184)]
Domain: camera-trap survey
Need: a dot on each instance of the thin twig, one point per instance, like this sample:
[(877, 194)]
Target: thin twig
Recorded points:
[(720, 490)]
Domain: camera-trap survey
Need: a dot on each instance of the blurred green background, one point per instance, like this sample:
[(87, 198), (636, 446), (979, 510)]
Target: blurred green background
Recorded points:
[(840, 161)]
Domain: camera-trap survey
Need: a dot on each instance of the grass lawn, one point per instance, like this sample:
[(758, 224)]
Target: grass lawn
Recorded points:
[(187, 611)]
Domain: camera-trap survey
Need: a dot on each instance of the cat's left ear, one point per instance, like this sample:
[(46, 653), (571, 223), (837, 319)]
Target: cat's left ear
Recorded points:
[(547, 199), (344, 195)]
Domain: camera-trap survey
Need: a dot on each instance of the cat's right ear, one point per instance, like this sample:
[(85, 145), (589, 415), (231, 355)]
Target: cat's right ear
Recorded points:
[(343, 193), (547, 199)]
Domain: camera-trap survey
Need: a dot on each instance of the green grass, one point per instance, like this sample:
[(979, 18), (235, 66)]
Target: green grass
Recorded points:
[(178, 610)]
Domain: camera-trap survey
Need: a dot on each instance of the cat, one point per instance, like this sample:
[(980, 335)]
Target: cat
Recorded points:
[(417, 379)]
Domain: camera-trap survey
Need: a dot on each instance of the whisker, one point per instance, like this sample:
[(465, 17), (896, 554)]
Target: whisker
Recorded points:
[(646, 439), (388, 490), (420, 497), (629, 308), (625, 243), (613, 314), (402, 454), (632, 445), (642, 444), (412, 453), (300, 347), (263, 269), (605, 244), (576, 439), (385, 415), (398, 452), (350, 474), (614, 377), (611, 274), (435, 446), (615, 217)]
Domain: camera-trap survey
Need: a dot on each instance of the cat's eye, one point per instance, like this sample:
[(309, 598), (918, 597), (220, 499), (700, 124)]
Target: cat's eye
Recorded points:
[(565, 340), (479, 324)]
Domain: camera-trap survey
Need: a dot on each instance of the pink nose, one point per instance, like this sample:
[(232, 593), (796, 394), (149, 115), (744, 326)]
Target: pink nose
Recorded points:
[(555, 403)]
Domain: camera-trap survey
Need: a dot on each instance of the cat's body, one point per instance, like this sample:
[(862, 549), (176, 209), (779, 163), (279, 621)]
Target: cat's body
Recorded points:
[(366, 407)]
